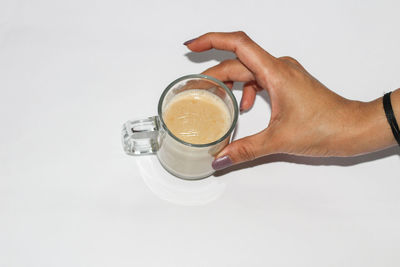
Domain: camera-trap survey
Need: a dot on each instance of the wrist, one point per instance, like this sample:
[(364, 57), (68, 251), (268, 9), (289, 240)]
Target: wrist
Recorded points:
[(368, 129)]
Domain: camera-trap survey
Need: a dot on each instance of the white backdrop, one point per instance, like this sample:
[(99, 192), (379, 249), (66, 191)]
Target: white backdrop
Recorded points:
[(71, 72)]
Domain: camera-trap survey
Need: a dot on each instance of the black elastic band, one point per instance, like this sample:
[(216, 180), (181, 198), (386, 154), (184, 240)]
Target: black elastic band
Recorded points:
[(387, 105)]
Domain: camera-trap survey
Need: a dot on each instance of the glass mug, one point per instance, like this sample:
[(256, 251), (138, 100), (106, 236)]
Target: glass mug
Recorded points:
[(182, 159)]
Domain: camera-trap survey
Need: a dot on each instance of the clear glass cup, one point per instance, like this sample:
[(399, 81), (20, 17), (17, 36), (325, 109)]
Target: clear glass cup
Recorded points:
[(152, 136)]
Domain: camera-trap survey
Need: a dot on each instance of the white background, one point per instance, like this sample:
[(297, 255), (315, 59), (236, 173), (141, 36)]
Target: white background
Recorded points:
[(71, 72)]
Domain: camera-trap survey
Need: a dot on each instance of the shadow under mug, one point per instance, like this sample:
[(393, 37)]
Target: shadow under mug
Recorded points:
[(152, 136)]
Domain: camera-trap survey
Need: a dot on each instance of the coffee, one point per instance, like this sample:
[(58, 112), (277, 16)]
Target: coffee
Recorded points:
[(197, 116)]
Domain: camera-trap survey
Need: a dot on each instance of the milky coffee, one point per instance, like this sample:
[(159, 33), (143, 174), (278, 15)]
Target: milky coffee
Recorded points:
[(197, 116)]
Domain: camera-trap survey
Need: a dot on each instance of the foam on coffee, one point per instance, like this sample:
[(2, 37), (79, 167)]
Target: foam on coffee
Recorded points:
[(197, 116)]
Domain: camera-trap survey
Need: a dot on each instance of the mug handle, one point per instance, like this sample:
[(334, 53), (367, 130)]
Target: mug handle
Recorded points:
[(140, 137)]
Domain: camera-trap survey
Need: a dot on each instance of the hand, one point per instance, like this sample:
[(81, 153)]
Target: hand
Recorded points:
[(306, 118)]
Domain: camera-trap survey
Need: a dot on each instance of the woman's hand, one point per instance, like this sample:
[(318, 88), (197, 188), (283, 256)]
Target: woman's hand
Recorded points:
[(306, 119)]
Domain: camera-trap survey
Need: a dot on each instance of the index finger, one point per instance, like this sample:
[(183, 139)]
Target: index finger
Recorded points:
[(254, 57)]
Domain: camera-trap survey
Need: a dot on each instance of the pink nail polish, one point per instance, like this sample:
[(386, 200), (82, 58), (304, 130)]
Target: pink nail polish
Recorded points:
[(222, 163), (241, 106), (189, 41)]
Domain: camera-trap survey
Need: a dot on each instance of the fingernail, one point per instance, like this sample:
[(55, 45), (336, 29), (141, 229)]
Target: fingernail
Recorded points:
[(241, 106), (189, 42), (222, 163)]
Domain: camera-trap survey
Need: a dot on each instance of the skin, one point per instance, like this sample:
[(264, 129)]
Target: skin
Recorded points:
[(307, 118)]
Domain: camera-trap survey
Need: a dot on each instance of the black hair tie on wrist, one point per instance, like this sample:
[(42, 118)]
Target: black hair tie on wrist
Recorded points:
[(387, 105)]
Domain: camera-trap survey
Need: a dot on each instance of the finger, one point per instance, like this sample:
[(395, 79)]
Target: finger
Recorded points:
[(245, 149), (230, 70), (250, 90), (229, 84), (251, 54)]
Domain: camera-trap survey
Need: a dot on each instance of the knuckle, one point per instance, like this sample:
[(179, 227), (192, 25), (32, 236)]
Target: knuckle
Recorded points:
[(289, 67), (240, 33), (290, 59), (245, 152), (208, 35), (242, 36)]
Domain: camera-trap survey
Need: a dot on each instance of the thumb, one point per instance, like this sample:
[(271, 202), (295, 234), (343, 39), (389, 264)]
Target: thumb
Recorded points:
[(244, 149)]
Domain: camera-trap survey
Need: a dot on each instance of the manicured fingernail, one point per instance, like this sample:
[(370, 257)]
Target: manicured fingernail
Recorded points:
[(241, 106), (190, 41), (222, 163)]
